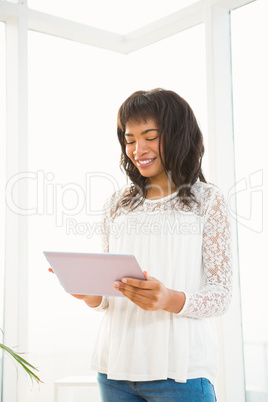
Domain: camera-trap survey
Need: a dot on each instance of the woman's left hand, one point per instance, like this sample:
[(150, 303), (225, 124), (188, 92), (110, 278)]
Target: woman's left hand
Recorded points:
[(149, 294)]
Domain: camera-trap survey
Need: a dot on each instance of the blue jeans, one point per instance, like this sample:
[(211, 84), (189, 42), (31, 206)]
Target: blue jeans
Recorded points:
[(198, 389)]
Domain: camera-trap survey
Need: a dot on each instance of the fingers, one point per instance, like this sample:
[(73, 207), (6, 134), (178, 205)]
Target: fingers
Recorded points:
[(139, 283), (149, 294), (146, 275), (128, 287), (140, 300), (147, 299), (80, 297), (136, 289)]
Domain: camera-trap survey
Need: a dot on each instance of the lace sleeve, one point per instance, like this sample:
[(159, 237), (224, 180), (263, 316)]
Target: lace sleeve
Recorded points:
[(105, 229), (109, 211), (214, 297)]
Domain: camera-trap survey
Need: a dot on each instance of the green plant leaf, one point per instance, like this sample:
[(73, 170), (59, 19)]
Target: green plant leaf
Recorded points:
[(22, 362)]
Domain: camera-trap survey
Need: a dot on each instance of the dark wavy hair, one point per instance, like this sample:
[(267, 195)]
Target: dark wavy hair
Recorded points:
[(180, 137)]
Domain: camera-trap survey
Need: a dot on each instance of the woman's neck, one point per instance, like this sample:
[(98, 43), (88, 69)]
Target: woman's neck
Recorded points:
[(159, 190)]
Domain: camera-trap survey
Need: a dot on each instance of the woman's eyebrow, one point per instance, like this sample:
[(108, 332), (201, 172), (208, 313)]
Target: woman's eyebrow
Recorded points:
[(144, 132)]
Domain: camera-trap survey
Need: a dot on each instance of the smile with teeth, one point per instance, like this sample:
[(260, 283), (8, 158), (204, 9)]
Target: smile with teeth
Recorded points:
[(145, 162)]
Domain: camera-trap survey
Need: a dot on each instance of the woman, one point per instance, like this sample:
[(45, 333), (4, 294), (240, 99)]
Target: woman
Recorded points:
[(157, 343)]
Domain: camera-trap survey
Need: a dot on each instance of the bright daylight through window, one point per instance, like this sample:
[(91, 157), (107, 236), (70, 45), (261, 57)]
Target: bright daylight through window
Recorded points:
[(74, 167), (250, 88), (65, 68), (2, 177)]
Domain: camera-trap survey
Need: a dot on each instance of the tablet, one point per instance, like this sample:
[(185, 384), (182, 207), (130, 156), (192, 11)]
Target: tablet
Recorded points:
[(92, 274)]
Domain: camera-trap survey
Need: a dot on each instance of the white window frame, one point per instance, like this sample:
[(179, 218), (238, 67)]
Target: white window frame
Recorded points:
[(215, 14)]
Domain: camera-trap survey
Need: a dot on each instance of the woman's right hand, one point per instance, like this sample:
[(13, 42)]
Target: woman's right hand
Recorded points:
[(91, 301)]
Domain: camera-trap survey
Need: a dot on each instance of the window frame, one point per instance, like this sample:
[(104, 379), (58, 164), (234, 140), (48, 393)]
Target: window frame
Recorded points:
[(215, 14)]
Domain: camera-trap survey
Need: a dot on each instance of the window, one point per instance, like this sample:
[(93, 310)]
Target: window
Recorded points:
[(126, 16), (2, 178), (74, 94), (2, 156), (250, 87)]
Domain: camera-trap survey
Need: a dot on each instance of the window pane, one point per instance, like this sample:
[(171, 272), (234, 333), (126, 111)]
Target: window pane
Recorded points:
[(250, 87), (2, 178), (118, 16), (74, 94), (73, 167)]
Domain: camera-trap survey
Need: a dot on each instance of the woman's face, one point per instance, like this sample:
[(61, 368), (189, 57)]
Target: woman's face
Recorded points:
[(142, 147)]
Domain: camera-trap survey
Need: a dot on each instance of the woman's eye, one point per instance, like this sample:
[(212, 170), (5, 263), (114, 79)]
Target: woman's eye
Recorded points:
[(151, 139), (129, 143)]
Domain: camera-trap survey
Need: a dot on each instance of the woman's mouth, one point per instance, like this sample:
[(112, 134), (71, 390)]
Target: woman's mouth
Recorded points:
[(145, 162)]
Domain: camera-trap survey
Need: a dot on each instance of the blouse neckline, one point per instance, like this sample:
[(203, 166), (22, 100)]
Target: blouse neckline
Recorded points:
[(163, 199)]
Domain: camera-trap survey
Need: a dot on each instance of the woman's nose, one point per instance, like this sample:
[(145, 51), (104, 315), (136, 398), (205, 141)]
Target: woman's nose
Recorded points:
[(141, 148)]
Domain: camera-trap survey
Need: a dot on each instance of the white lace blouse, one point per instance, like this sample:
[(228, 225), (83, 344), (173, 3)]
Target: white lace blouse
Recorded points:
[(188, 249)]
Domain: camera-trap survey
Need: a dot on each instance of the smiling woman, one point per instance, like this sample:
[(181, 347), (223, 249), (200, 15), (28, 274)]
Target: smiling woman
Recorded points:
[(158, 164), (188, 274)]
